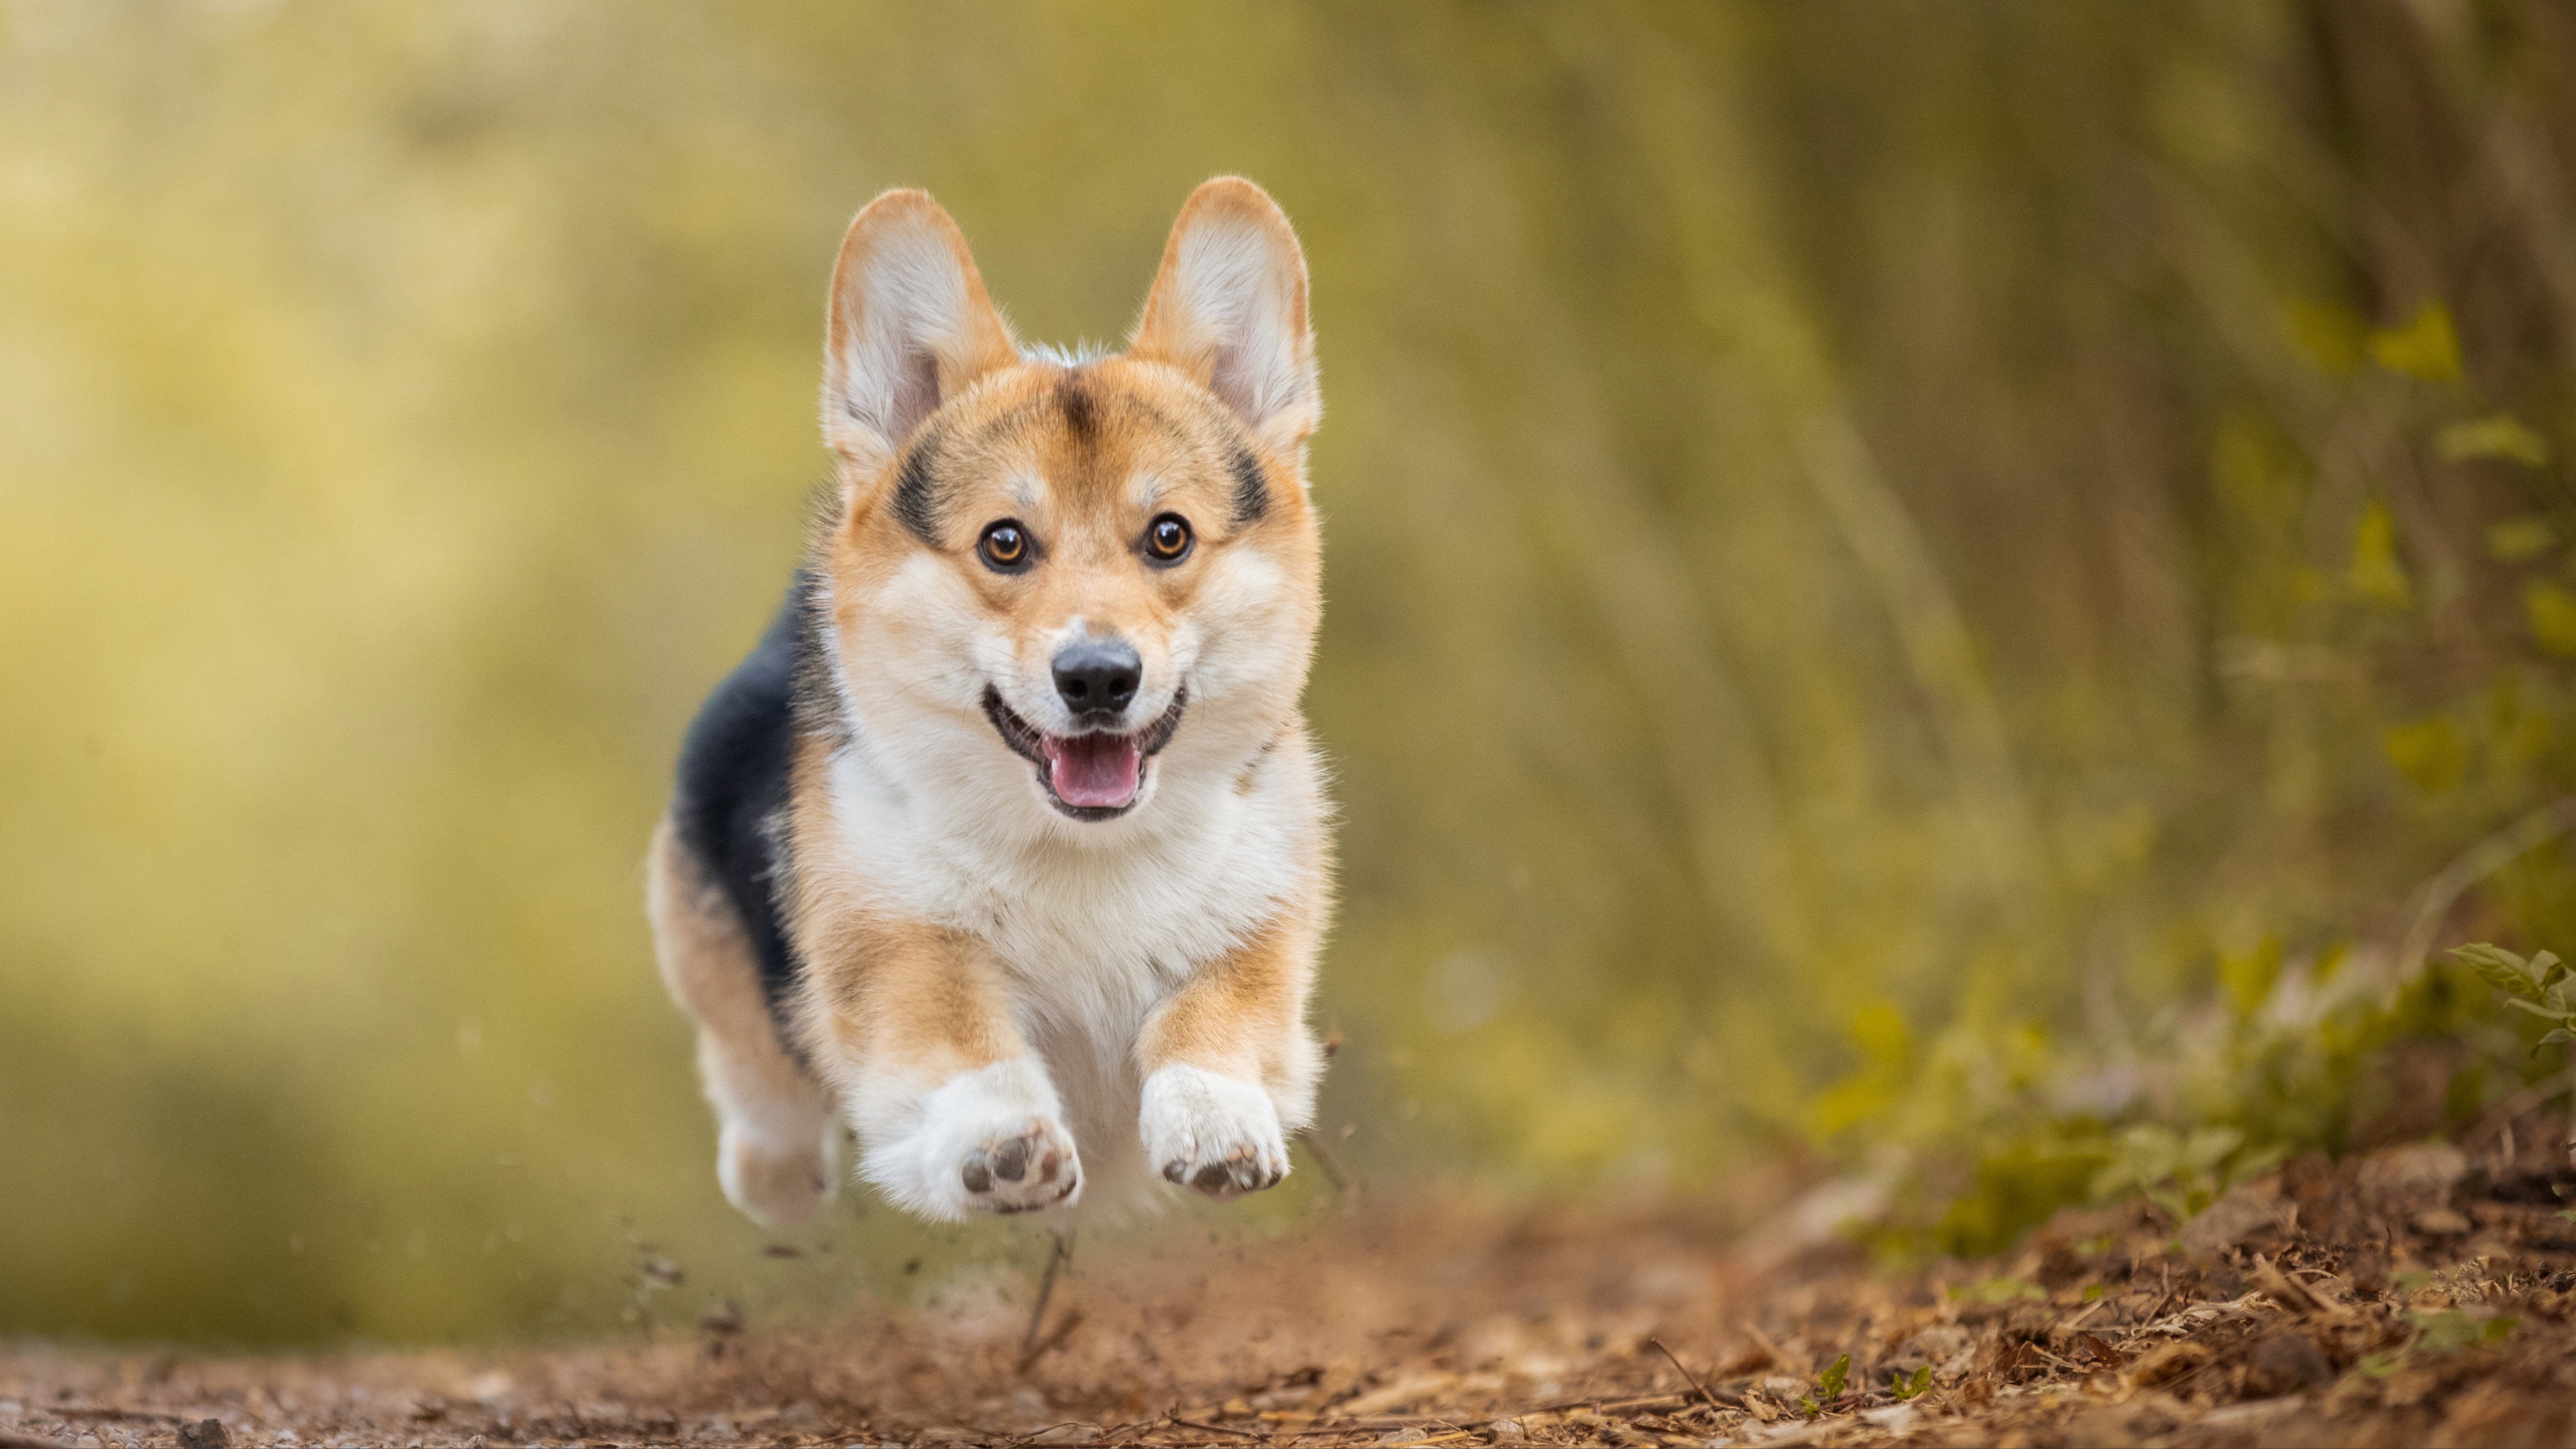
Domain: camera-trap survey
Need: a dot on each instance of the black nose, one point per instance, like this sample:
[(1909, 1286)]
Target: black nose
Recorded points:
[(1097, 676)]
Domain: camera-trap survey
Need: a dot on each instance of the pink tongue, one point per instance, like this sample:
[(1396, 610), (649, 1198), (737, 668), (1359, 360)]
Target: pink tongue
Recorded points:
[(1093, 770)]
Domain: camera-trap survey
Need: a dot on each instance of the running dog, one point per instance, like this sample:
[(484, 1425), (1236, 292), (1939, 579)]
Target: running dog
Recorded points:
[(1006, 847)]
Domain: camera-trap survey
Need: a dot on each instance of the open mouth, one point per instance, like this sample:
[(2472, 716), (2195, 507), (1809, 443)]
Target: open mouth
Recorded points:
[(1091, 776)]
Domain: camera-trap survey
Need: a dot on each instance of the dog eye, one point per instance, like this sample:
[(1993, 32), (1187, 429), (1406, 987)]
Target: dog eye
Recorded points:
[(1004, 547), (1167, 539)]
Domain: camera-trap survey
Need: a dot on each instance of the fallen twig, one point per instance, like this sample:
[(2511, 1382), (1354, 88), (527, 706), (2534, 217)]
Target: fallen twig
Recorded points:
[(1325, 1161), (108, 1411), (1214, 1428), (1690, 1378), (1059, 1253), (1054, 1339)]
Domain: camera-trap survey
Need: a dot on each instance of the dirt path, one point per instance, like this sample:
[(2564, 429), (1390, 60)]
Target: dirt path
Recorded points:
[(2414, 1297)]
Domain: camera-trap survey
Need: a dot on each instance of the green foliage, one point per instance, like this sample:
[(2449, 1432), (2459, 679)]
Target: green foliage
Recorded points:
[(1887, 1049), (2247, 977), (1829, 1386), (2181, 1172), (2376, 573), (2331, 336), (2015, 1187), (2552, 607), (2538, 987), (2430, 753), (1999, 1290), (1903, 1386), (2249, 1087), (2520, 540), (2427, 347), (2501, 437), (2436, 1334)]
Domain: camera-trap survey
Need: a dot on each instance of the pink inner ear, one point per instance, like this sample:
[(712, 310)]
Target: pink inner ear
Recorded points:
[(915, 395), (911, 325)]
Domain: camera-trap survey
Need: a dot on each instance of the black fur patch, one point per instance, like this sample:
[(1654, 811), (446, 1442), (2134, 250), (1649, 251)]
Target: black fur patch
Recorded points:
[(1251, 488), (730, 807), (915, 502), (1081, 410)]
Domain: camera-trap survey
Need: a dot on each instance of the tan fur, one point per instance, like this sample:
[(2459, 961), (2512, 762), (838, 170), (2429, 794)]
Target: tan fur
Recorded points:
[(781, 1174), (1239, 1016)]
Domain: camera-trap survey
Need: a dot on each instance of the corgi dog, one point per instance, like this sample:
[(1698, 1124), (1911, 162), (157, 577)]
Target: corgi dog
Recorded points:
[(1006, 848)]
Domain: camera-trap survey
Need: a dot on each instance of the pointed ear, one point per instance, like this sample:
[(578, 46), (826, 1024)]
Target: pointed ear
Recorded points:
[(1229, 309), (909, 328)]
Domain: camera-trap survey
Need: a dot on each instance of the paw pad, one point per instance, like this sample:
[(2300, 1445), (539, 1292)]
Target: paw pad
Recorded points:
[(1215, 1134), (1020, 1174)]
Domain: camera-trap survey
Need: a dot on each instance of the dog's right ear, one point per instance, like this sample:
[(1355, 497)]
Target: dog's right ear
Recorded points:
[(909, 328)]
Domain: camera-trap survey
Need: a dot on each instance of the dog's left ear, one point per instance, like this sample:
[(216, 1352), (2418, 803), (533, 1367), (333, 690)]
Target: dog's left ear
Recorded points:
[(1229, 309)]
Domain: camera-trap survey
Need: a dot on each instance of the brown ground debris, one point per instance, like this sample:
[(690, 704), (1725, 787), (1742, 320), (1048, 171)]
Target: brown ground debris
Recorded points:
[(2416, 1296)]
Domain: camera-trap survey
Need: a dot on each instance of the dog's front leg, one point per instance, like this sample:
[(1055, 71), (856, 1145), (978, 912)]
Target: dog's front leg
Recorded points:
[(955, 1115), (1230, 1068)]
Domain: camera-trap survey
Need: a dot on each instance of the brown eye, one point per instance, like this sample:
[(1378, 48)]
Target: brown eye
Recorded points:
[(1167, 540), (1004, 547)]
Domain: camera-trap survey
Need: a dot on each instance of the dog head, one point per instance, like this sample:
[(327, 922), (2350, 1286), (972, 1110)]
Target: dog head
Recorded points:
[(1070, 585)]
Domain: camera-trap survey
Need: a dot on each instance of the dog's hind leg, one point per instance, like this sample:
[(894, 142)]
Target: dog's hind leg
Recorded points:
[(778, 1143)]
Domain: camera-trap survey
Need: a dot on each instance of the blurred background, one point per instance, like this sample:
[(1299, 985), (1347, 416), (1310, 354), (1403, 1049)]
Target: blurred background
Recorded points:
[(2051, 521)]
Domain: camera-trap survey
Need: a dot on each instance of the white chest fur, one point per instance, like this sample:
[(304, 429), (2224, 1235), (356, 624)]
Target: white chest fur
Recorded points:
[(1092, 925)]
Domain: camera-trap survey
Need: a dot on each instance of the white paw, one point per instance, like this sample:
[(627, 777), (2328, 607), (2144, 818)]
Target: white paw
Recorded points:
[(778, 1181), (991, 1140), (1214, 1133)]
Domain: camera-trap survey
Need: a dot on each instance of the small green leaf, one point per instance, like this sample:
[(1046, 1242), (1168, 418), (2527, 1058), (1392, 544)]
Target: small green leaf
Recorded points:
[(2429, 753), (2520, 540), (2499, 968), (2000, 1290), (2451, 1331), (2499, 436), (1831, 1382), (2377, 573), (2206, 1147), (2330, 335), (2552, 610), (1904, 1386), (2426, 347), (2249, 976)]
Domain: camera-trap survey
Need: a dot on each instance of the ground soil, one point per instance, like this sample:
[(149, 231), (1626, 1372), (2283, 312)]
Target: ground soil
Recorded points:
[(2420, 1295)]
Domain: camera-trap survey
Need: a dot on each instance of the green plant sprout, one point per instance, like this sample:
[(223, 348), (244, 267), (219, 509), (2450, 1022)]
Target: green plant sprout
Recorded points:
[(2539, 986), (2437, 1334), (2177, 1171), (1829, 1386), (1999, 1290)]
